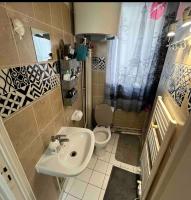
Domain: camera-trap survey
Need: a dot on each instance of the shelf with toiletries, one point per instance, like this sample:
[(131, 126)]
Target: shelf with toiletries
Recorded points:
[(70, 60), (70, 96), (69, 70), (70, 77)]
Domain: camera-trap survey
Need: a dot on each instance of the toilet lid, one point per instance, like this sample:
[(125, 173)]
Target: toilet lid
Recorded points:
[(103, 115)]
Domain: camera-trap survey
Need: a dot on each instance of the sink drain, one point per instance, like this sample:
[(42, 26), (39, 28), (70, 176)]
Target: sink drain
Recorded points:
[(73, 153)]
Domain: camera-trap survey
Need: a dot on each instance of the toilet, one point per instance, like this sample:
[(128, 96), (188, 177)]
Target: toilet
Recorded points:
[(102, 132)]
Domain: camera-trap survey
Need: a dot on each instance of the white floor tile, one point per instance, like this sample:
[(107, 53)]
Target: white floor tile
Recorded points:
[(114, 149), (109, 168), (64, 196), (69, 184), (111, 142), (101, 166), (97, 179), (92, 162), (69, 197), (109, 148), (105, 182), (113, 136), (101, 196), (85, 175), (124, 166), (105, 157), (114, 161), (78, 188), (92, 193)]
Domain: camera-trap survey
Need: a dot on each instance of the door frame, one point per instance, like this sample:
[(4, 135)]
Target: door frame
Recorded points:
[(10, 156)]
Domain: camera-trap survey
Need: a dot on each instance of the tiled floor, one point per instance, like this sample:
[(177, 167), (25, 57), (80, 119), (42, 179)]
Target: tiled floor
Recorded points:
[(92, 182)]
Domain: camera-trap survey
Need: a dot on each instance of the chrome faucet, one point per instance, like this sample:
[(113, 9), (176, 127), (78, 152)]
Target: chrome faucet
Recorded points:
[(60, 138)]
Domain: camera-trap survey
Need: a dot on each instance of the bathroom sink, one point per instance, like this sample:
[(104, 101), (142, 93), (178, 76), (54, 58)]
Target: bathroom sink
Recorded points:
[(73, 156)]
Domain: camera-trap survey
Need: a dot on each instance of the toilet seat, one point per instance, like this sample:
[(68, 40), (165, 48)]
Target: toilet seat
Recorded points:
[(102, 132), (102, 135)]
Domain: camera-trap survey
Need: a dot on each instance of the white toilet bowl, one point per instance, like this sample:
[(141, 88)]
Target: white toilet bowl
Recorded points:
[(102, 132)]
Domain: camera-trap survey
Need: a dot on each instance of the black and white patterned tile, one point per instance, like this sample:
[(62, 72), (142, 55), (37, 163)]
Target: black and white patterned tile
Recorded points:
[(55, 67), (37, 89), (6, 83), (26, 94), (98, 63), (54, 81), (46, 85), (34, 73), (19, 77), (189, 100), (20, 86), (179, 82), (10, 103), (47, 70)]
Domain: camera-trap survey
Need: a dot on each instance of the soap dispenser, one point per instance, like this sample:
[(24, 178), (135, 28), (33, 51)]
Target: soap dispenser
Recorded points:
[(54, 145)]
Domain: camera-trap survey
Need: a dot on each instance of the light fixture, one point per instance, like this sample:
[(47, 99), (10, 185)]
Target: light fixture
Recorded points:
[(172, 30), (186, 17), (18, 28)]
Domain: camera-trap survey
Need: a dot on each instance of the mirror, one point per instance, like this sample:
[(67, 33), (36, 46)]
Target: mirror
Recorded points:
[(42, 44)]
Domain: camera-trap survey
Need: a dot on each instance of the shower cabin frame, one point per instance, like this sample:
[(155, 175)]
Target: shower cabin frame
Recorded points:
[(87, 90)]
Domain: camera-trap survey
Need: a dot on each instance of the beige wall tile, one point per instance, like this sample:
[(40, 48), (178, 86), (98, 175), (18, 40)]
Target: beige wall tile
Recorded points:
[(24, 7), (59, 121), (22, 129), (25, 46), (56, 37), (68, 38), (42, 12), (44, 187), (47, 132), (8, 51), (66, 18), (131, 120), (30, 157), (43, 112), (98, 90), (101, 78), (56, 101), (56, 15)]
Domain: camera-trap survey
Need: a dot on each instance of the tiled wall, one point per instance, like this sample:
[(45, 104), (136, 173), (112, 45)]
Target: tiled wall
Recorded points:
[(132, 121), (31, 103), (99, 56), (20, 86), (128, 120), (175, 87)]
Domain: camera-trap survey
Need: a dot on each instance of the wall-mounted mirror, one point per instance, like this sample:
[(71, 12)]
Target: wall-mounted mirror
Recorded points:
[(42, 44)]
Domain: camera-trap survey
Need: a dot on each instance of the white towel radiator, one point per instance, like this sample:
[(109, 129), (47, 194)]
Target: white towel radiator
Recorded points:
[(158, 137)]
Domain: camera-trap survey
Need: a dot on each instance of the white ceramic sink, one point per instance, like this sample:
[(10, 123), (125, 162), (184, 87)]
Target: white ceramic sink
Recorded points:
[(73, 156)]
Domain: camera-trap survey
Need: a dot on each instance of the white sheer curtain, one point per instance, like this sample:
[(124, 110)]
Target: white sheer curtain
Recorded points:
[(131, 54)]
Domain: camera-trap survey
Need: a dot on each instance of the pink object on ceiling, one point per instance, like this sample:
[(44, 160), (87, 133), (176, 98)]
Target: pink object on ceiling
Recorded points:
[(157, 10)]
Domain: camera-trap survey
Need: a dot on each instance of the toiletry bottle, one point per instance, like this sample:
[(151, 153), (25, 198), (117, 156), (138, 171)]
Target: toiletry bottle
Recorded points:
[(53, 145)]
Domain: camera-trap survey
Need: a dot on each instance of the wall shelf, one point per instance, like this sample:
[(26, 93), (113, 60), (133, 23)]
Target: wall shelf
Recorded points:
[(68, 85), (70, 101), (71, 66)]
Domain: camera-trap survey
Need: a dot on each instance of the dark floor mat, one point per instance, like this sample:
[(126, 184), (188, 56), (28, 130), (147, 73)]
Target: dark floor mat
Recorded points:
[(122, 185), (128, 149)]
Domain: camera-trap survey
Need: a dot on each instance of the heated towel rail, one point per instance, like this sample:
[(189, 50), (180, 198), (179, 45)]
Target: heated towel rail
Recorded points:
[(158, 137)]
